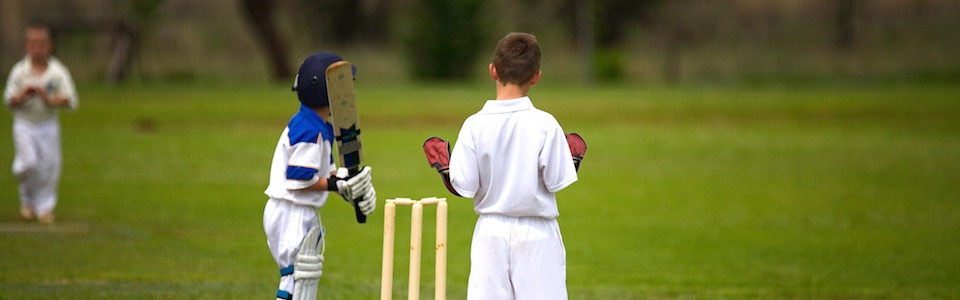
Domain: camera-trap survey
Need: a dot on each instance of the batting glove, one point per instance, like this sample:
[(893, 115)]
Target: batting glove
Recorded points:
[(578, 148), (369, 202), (354, 187)]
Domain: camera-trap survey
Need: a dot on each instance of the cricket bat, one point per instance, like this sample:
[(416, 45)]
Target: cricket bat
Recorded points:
[(346, 121)]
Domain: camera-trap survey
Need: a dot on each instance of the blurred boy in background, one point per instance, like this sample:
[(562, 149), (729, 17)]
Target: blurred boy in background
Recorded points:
[(37, 86)]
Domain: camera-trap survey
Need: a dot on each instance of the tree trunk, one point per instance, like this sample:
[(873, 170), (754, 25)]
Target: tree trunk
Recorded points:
[(585, 39), (260, 17), (672, 58), (123, 52), (845, 11)]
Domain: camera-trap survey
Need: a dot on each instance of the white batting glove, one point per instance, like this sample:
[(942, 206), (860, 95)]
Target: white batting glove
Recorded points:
[(352, 188), (355, 186), (360, 188), (369, 202)]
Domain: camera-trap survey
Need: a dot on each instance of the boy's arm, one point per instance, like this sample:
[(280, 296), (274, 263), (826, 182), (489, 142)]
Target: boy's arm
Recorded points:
[(69, 91), (63, 93), (357, 186), (322, 184), (557, 167), (13, 95), (337, 182), (53, 99), (18, 98), (303, 173)]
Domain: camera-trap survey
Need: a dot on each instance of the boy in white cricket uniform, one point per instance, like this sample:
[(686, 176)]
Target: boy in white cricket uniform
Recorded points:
[(36, 87), (512, 158), (303, 173)]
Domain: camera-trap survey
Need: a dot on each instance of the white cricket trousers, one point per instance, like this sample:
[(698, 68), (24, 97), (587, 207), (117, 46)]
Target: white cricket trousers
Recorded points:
[(37, 163), (517, 258), (285, 224)]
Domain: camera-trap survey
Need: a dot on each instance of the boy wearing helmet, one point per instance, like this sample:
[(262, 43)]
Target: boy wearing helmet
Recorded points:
[(302, 176)]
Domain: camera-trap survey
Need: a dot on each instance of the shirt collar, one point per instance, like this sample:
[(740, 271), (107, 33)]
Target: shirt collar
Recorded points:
[(312, 116), (507, 106)]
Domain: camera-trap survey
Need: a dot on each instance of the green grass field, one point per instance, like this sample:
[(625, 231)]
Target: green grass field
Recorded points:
[(834, 192)]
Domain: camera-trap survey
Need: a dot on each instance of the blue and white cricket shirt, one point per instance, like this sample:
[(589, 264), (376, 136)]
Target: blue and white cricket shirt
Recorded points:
[(304, 154)]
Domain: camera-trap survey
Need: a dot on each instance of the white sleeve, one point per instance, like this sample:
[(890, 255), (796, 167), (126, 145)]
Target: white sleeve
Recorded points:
[(69, 90), (464, 166), (11, 88), (556, 164), (304, 166)]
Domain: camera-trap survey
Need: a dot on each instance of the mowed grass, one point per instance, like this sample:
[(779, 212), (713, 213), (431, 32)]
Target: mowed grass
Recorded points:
[(686, 193)]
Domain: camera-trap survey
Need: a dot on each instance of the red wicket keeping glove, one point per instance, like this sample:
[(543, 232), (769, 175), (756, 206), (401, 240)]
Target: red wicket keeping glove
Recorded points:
[(438, 153), (438, 156), (578, 148)]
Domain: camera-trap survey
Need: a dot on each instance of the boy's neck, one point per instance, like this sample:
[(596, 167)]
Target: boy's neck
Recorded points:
[(511, 91), (323, 112), (38, 64)]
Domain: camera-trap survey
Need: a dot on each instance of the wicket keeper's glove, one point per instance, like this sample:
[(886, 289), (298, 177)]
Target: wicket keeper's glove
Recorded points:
[(438, 153), (578, 148), (438, 156)]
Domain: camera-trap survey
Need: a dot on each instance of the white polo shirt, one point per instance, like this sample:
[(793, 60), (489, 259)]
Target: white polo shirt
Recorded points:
[(56, 80), (511, 158)]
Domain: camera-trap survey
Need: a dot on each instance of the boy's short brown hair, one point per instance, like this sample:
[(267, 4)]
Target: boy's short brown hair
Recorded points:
[(517, 58)]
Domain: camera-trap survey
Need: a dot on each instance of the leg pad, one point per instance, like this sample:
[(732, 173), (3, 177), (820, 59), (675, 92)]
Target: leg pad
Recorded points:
[(309, 265)]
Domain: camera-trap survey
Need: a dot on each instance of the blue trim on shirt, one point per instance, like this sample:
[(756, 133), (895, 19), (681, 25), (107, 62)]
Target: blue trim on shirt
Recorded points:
[(300, 173), (307, 127)]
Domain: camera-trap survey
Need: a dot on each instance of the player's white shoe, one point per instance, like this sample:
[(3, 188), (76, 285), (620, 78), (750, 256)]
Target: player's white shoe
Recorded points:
[(26, 213), (46, 218)]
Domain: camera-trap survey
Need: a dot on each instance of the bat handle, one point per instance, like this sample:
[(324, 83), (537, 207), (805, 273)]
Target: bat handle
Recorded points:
[(361, 218)]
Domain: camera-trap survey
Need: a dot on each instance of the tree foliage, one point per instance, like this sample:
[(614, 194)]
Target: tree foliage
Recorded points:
[(446, 37)]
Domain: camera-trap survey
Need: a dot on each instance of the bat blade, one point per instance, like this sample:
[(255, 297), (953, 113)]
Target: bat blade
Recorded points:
[(346, 121)]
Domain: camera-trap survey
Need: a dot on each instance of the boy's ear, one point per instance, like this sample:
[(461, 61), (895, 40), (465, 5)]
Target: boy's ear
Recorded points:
[(536, 78), (493, 73)]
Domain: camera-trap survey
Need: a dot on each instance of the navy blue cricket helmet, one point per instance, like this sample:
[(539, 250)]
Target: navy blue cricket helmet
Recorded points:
[(311, 84)]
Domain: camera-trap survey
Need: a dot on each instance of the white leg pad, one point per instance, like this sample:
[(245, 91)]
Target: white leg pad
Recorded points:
[(309, 265)]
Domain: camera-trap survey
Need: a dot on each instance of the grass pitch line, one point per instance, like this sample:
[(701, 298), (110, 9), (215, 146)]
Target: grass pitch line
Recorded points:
[(42, 228)]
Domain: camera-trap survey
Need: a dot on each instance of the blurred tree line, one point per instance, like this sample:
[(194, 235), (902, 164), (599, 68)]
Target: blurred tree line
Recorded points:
[(594, 40)]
